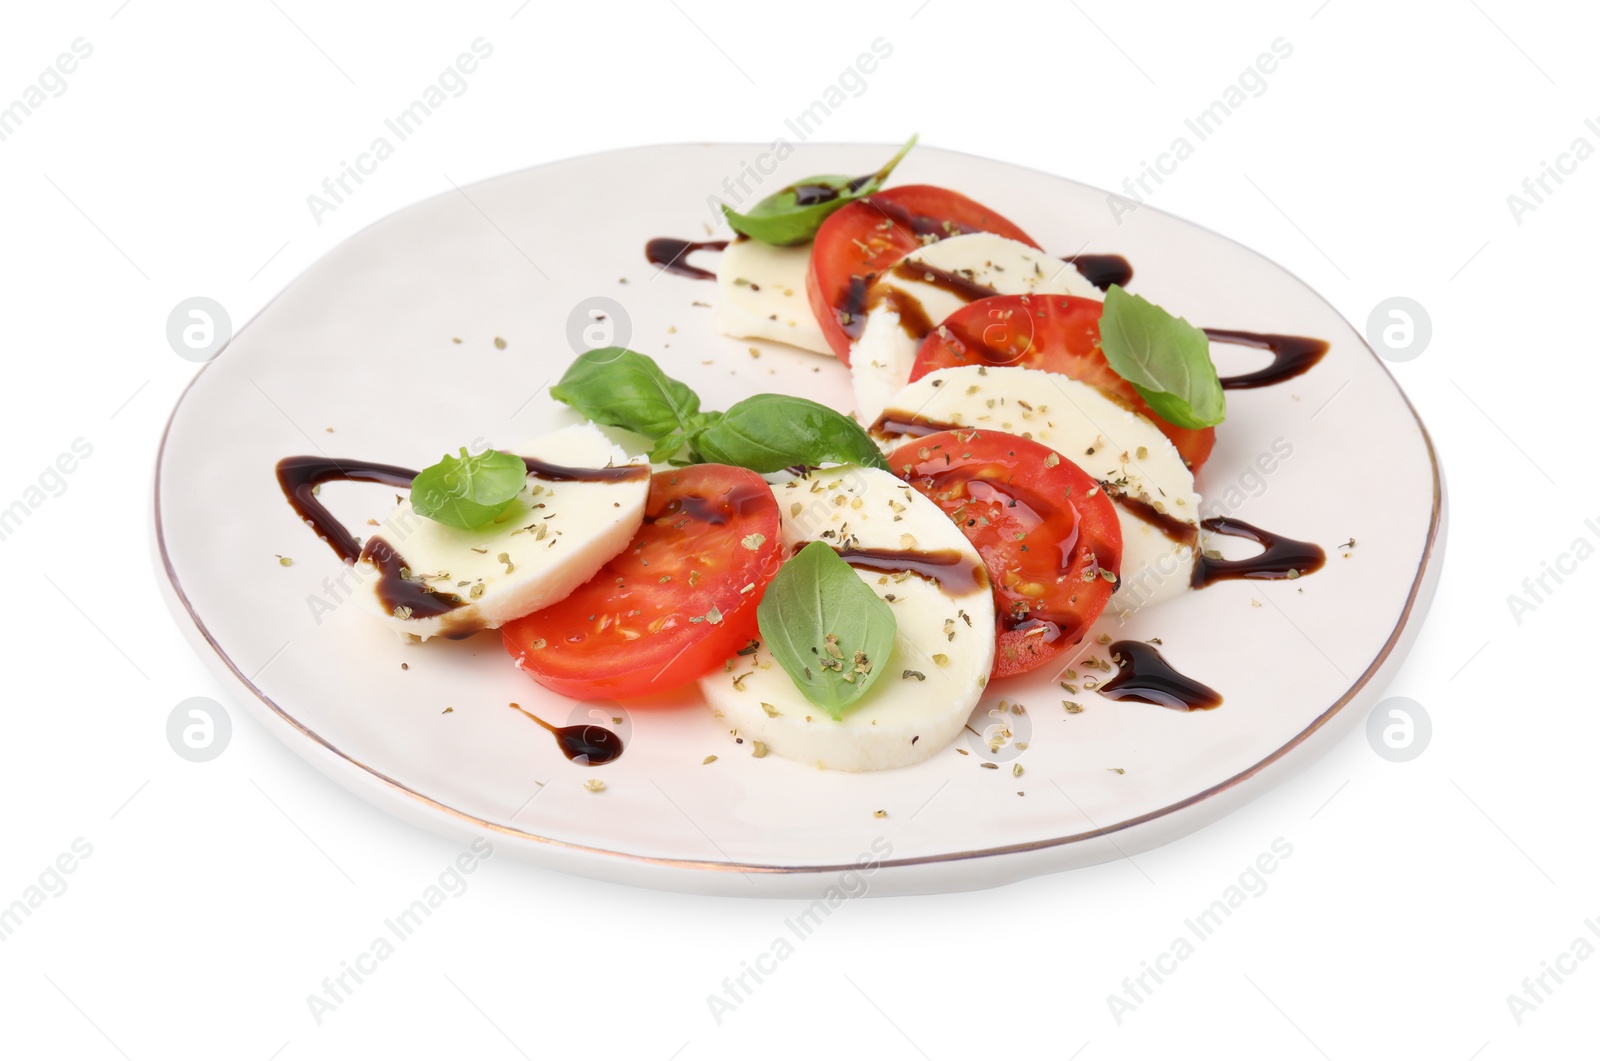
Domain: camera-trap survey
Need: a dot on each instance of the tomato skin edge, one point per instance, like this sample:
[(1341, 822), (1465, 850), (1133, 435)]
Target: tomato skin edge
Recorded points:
[(735, 633), (845, 226), (1096, 528), (723, 508)]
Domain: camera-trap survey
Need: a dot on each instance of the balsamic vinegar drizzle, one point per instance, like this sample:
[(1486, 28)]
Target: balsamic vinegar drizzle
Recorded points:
[(1280, 557), (1180, 531), (560, 473), (815, 194), (960, 286), (943, 566), (414, 598), (920, 225), (400, 595), (1291, 356), (852, 316), (894, 423), (1103, 270), (812, 194), (713, 511), (586, 743), (1145, 675), (672, 255), (299, 477), (914, 319)]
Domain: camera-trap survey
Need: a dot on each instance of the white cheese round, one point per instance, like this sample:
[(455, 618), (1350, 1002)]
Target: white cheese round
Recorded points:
[(944, 641)]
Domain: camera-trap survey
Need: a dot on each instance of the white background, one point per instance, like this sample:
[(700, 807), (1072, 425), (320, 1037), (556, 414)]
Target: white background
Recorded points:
[(218, 896)]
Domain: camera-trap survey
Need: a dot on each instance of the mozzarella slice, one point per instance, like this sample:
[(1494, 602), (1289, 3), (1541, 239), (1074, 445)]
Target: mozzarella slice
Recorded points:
[(907, 303), (559, 533), (944, 642), (1106, 439), (761, 294)]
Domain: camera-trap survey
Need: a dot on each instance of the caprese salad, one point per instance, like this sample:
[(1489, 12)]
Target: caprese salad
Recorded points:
[(843, 588)]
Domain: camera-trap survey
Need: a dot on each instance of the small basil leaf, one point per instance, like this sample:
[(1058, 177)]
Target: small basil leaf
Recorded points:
[(770, 432), (469, 491), (794, 214), (618, 387), (1167, 359), (826, 628)]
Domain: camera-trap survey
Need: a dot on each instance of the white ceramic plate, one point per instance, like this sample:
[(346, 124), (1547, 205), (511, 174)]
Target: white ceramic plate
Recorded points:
[(362, 343)]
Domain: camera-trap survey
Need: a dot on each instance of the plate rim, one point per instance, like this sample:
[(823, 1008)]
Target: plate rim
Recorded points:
[(429, 805)]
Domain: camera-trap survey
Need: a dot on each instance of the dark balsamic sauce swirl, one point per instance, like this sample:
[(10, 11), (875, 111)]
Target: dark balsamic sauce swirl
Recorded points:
[(300, 476), (1181, 531), (1292, 355), (813, 194), (947, 567), (715, 510), (914, 319), (960, 286), (671, 255), (852, 316), (1278, 558), (896, 424), (1103, 270), (1145, 675), (560, 473), (919, 225), (403, 596), (399, 594), (585, 743)]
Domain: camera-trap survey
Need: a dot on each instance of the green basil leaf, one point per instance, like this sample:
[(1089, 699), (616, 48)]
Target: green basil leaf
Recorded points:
[(618, 387), (770, 432), (794, 214), (826, 628), (1167, 359), (469, 491)]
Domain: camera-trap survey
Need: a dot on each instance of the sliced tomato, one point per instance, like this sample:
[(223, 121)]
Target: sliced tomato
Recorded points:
[(1046, 531), (857, 243), (1054, 333), (673, 605)]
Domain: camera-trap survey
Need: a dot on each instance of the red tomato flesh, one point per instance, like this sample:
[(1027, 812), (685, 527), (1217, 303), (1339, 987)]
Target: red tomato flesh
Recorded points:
[(1052, 333), (1046, 531), (674, 604), (861, 241)]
